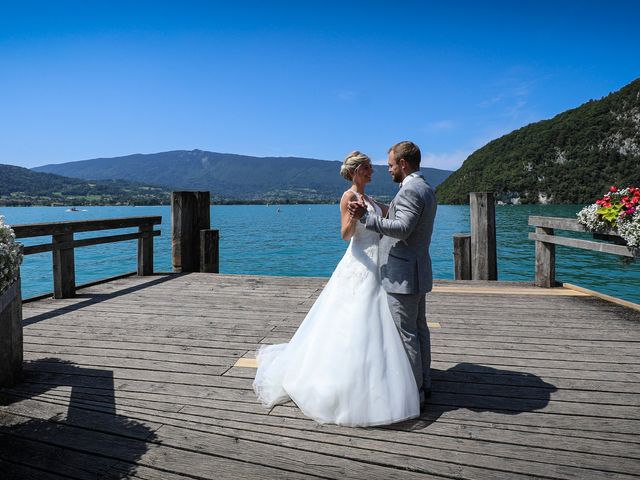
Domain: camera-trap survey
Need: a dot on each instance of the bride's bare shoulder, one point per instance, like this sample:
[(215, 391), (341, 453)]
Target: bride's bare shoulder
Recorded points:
[(348, 196)]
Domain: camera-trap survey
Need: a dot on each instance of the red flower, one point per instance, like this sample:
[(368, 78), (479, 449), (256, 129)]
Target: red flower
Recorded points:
[(613, 189)]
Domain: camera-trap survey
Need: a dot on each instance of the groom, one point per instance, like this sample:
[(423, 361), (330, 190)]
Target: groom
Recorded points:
[(405, 264)]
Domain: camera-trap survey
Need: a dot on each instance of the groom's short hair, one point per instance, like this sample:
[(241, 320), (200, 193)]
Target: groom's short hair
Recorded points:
[(409, 151)]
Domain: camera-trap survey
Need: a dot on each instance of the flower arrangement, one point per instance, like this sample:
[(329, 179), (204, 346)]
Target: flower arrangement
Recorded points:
[(10, 256), (618, 209)]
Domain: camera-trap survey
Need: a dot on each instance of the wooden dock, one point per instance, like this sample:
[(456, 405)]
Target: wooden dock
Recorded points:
[(142, 378)]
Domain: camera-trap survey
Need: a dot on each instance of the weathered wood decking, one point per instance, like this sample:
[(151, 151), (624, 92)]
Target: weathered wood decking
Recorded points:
[(136, 379)]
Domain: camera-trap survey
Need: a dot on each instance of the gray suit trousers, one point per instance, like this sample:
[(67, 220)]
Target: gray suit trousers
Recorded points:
[(409, 314)]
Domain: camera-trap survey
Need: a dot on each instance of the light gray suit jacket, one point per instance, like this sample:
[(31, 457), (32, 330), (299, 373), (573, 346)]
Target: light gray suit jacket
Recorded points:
[(405, 264)]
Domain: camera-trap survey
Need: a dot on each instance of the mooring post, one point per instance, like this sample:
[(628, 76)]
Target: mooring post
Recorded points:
[(462, 256), (210, 251), (484, 265), (189, 214)]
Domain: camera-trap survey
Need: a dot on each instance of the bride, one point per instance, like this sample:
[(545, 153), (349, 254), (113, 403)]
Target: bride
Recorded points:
[(346, 363)]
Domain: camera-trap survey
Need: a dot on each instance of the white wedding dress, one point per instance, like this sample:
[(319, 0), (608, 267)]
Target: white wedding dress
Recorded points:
[(346, 363)]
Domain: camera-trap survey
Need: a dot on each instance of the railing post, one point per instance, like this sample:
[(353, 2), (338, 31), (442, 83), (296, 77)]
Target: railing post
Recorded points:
[(209, 251), (484, 264), (462, 256), (145, 250), (545, 260), (189, 215), (64, 273)]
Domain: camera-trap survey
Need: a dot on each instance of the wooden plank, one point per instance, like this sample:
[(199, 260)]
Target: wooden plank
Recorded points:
[(55, 228), (586, 244), (608, 298), (85, 242), (246, 362), (570, 224)]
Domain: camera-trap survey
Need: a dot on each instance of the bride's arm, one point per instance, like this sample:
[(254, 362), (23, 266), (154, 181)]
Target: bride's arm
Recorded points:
[(347, 221)]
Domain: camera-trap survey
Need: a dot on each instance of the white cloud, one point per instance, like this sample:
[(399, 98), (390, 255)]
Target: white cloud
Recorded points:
[(445, 161)]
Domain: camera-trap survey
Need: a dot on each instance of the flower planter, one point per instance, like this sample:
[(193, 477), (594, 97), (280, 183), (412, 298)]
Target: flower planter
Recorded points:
[(11, 335)]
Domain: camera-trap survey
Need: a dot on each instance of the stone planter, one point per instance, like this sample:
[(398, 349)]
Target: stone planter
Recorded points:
[(11, 335)]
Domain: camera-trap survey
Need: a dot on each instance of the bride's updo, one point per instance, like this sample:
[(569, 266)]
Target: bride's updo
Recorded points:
[(353, 161)]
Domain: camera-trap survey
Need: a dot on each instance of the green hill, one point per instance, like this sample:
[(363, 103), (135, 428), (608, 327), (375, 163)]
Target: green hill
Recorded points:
[(23, 187), (232, 177), (571, 158)]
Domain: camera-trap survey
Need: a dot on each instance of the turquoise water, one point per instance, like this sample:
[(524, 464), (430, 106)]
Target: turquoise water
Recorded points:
[(304, 240)]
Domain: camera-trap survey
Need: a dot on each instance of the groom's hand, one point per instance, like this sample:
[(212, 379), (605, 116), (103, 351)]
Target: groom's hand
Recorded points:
[(357, 209)]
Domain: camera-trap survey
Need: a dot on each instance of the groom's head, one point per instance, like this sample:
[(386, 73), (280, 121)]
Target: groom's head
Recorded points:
[(403, 159)]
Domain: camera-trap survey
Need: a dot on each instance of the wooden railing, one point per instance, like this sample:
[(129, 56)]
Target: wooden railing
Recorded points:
[(63, 244), (546, 240)]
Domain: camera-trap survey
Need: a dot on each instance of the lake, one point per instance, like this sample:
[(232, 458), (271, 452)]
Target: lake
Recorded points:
[(304, 240)]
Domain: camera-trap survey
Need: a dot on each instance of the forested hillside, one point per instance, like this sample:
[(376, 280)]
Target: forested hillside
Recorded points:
[(571, 158), (21, 186)]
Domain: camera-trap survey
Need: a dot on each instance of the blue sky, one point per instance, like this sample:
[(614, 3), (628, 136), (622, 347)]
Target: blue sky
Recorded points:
[(90, 79)]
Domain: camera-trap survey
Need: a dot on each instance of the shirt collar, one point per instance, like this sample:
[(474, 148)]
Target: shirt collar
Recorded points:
[(410, 176)]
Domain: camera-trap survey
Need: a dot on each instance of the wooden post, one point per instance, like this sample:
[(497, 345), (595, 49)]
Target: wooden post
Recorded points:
[(545, 261), (145, 251), (64, 270), (209, 251), (11, 352), (462, 256), (484, 264), (189, 215)]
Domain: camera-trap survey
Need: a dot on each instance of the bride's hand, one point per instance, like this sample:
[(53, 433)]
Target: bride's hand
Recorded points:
[(357, 209)]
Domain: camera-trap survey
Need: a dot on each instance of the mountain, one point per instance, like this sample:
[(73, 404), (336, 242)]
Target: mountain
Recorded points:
[(235, 177), (571, 158), (23, 187)]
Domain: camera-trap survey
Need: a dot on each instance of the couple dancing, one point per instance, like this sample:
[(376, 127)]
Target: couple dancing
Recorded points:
[(362, 354)]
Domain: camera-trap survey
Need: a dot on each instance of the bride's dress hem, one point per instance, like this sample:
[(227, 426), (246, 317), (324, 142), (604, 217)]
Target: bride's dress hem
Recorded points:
[(354, 424)]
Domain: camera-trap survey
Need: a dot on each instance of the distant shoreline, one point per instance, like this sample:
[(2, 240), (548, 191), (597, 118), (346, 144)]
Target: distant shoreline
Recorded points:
[(325, 201)]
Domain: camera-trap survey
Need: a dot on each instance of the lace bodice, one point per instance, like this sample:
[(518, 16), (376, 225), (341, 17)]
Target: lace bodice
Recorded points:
[(364, 239)]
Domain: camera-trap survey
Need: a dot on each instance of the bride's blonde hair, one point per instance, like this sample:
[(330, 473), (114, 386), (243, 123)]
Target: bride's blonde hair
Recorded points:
[(353, 161)]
